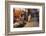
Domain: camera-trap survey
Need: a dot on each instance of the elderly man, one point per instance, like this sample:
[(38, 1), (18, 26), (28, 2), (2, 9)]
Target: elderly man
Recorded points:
[(18, 17)]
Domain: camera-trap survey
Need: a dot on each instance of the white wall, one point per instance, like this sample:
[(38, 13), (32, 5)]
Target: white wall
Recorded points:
[(2, 18)]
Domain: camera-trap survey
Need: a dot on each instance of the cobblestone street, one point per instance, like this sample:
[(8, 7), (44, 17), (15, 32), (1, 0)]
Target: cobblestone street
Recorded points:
[(32, 24)]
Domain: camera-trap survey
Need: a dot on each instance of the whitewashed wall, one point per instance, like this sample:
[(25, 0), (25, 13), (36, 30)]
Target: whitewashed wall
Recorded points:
[(2, 17)]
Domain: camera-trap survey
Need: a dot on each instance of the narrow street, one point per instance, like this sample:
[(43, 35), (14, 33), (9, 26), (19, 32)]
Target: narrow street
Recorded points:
[(32, 24)]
